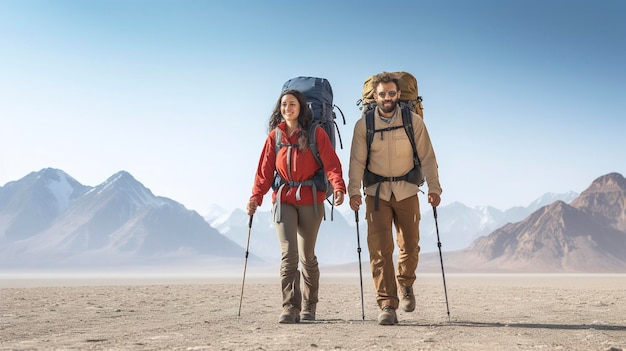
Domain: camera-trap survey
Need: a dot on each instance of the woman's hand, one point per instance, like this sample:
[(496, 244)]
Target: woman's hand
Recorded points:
[(338, 197), (251, 207)]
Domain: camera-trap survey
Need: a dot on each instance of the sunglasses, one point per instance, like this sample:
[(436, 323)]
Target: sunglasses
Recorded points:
[(382, 94)]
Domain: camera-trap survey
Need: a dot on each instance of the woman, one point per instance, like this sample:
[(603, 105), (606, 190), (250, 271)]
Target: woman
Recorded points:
[(298, 207)]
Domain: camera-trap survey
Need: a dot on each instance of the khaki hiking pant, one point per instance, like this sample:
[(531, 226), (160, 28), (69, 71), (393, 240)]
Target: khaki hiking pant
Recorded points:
[(405, 215), (297, 234)]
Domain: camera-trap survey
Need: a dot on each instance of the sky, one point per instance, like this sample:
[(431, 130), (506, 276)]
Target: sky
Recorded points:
[(521, 97)]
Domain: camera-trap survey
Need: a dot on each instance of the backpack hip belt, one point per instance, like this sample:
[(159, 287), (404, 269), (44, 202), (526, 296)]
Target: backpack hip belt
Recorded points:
[(414, 176), (311, 183)]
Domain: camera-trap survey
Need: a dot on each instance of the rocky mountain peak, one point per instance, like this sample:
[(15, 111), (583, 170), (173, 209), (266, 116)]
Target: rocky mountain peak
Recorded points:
[(605, 200)]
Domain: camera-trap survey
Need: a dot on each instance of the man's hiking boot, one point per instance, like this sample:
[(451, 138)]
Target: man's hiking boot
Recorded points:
[(290, 315), (388, 316), (407, 302), (308, 312)]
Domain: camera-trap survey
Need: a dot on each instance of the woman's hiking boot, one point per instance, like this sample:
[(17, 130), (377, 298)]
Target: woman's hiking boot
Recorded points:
[(308, 312), (290, 315), (387, 316), (407, 302)]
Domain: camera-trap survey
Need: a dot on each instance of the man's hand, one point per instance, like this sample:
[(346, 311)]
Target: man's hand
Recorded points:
[(355, 202), (434, 199)]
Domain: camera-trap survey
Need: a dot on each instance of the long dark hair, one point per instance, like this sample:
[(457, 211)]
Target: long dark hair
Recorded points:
[(304, 117)]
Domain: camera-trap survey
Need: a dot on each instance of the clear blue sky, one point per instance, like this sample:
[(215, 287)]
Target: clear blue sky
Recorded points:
[(521, 97)]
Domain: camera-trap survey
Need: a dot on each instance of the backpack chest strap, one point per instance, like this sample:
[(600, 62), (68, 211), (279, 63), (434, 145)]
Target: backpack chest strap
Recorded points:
[(388, 129)]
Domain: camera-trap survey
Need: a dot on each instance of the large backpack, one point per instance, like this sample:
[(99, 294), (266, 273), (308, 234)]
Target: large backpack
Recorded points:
[(319, 96), (409, 95)]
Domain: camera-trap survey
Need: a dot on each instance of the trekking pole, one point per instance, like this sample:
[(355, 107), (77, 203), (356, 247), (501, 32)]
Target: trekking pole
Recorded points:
[(443, 274), (245, 265), (358, 243)]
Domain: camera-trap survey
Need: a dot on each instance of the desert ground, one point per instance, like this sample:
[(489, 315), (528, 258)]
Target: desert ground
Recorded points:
[(177, 312)]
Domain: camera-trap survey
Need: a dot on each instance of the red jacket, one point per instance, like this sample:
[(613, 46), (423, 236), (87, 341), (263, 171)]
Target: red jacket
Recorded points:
[(303, 166)]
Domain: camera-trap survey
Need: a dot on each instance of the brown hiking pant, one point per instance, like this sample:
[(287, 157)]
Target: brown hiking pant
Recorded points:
[(405, 215), (297, 234)]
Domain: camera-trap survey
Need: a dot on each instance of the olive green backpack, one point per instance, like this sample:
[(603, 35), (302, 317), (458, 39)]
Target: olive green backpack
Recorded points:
[(409, 95)]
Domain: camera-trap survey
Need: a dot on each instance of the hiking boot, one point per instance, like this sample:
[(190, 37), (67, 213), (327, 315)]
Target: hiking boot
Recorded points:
[(308, 312), (388, 316), (290, 315), (407, 302)]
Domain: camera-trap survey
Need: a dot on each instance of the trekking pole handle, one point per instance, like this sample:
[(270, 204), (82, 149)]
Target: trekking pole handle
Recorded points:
[(250, 222)]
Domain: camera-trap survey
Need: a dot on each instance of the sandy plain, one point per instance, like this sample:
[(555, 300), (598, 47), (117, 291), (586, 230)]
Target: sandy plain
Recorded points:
[(177, 312)]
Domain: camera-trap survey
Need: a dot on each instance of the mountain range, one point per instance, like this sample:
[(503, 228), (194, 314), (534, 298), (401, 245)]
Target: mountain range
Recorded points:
[(587, 235), (459, 226), (49, 220)]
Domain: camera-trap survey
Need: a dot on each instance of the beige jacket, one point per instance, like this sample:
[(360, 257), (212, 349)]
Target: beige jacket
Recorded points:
[(390, 156)]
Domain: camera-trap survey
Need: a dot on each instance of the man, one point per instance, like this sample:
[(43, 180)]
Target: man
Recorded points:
[(392, 197)]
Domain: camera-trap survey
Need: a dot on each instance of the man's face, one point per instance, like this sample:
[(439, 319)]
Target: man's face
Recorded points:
[(387, 95)]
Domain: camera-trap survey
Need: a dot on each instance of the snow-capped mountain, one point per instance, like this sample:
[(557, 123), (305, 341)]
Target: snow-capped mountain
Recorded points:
[(116, 223), (31, 204)]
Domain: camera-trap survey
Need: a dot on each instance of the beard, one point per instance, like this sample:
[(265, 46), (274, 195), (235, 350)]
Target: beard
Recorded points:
[(388, 108)]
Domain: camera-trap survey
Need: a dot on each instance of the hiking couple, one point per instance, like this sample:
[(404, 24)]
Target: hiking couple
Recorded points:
[(298, 207)]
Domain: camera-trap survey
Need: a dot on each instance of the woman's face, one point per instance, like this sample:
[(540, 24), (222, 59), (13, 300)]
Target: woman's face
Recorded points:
[(289, 108)]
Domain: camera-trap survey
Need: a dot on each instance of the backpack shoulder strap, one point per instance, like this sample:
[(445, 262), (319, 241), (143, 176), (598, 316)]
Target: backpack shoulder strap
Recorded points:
[(313, 144), (369, 132), (407, 121), (278, 136)]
